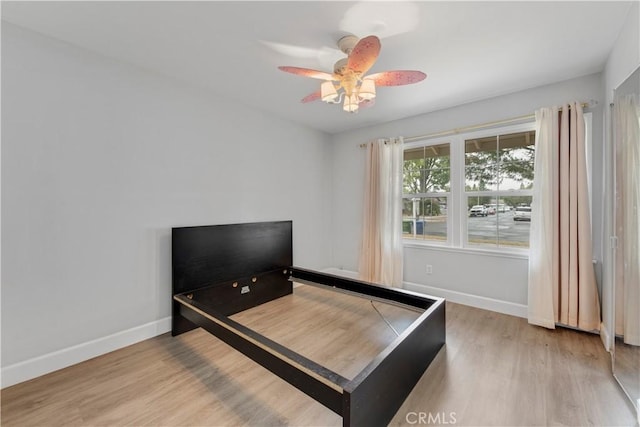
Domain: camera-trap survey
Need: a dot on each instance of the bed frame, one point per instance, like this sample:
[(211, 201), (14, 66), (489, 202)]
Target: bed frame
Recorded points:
[(224, 269)]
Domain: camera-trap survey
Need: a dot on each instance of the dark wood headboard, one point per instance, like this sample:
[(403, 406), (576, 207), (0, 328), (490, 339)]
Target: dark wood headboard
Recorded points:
[(230, 267)]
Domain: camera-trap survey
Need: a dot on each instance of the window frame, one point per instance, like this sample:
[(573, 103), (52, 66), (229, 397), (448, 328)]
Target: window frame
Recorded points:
[(447, 194), (464, 194), (457, 218)]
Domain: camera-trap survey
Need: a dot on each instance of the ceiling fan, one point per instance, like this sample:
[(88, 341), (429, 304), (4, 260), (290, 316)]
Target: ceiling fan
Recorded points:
[(348, 83)]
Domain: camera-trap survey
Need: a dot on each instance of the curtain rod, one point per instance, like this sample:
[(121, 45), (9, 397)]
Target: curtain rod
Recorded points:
[(483, 125), (480, 126)]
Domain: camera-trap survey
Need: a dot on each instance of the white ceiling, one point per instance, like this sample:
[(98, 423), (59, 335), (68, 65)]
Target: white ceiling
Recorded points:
[(469, 50)]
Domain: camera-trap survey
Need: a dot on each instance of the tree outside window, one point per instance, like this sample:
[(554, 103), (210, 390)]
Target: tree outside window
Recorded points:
[(426, 187)]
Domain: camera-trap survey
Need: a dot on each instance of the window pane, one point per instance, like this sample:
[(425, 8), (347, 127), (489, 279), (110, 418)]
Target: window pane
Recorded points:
[(517, 221), (504, 222), (481, 151), (481, 178), (482, 227), (517, 146), (427, 169), (412, 170), (516, 175), (481, 164), (425, 218), (516, 160)]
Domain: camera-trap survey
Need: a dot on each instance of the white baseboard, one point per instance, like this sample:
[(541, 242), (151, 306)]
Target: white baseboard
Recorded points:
[(499, 306), (41, 365), (491, 304)]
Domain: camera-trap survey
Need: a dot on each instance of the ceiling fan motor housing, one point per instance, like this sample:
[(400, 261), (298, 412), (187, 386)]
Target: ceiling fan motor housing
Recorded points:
[(347, 43)]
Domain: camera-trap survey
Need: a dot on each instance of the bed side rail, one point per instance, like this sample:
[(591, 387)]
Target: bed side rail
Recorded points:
[(380, 292), (320, 383)]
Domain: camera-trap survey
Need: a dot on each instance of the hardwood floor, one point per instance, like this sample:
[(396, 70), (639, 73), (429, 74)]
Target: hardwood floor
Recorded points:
[(494, 370), (627, 362)]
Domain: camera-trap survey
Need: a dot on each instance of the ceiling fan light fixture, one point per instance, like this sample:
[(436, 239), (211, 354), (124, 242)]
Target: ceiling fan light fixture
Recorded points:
[(367, 90), (349, 84), (328, 92), (350, 103)]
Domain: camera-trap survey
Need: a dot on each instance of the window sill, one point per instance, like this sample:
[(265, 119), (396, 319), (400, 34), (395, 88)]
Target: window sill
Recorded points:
[(500, 253)]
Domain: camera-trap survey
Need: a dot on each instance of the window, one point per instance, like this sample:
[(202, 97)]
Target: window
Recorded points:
[(474, 190), (499, 176), (426, 189), (463, 191)]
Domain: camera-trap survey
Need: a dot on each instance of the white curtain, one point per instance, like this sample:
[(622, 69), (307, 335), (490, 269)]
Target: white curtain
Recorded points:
[(627, 140), (562, 285), (381, 247)]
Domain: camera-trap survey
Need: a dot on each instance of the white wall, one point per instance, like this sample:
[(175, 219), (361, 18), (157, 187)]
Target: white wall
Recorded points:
[(456, 271), (625, 55), (622, 62), (99, 160)]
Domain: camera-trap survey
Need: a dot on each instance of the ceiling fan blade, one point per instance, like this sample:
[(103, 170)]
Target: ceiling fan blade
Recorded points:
[(310, 98), (307, 72), (295, 51), (397, 78), (364, 54), (325, 56)]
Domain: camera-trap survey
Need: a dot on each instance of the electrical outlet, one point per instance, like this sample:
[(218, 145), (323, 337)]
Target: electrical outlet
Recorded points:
[(429, 269)]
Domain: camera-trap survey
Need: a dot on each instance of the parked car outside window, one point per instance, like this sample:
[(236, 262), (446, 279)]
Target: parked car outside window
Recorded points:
[(478, 210), (522, 213)]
